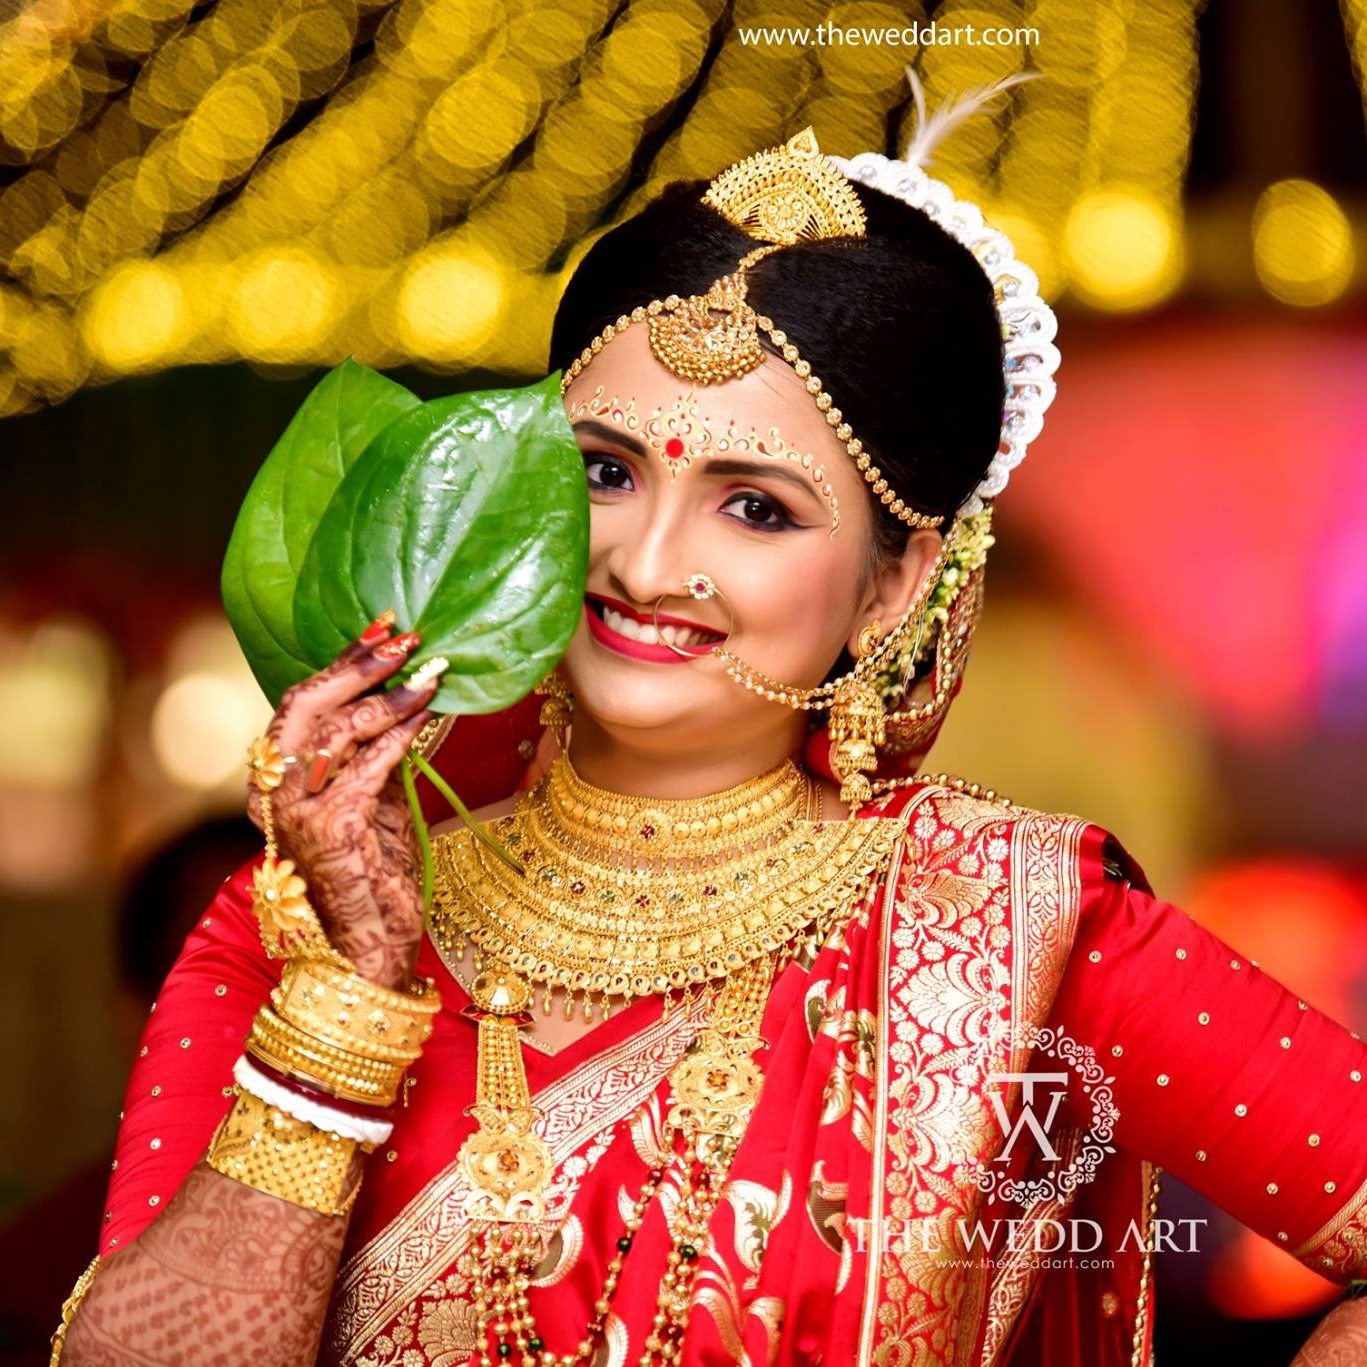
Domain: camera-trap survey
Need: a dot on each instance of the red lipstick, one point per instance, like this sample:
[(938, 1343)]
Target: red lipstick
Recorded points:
[(643, 650)]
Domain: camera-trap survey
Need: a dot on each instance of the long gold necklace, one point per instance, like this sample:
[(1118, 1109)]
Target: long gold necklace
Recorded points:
[(626, 897)]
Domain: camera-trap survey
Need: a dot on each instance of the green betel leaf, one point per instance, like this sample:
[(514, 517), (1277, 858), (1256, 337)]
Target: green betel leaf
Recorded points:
[(280, 514), (469, 516)]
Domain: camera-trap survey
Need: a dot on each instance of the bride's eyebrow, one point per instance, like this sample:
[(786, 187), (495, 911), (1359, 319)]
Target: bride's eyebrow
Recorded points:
[(605, 432), (724, 465)]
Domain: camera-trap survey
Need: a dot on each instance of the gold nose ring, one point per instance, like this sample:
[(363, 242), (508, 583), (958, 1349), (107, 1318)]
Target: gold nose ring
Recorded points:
[(700, 586)]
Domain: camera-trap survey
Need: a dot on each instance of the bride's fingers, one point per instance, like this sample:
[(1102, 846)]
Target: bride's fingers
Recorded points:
[(336, 737), (370, 768), (361, 667)]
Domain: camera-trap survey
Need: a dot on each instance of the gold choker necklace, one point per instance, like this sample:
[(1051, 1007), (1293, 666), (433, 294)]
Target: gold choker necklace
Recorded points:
[(626, 897)]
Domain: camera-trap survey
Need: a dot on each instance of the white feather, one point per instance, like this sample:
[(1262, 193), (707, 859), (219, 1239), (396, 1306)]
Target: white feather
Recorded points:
[(932, 129)]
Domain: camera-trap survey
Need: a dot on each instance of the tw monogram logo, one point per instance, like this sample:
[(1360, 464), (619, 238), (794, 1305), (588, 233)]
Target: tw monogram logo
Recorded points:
[(1028, 1120), (1041, 1157)]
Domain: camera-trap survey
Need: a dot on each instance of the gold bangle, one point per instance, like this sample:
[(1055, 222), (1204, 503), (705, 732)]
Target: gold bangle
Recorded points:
[(263, 1148), (338, 1072), (347, 1012), (69, 1308)]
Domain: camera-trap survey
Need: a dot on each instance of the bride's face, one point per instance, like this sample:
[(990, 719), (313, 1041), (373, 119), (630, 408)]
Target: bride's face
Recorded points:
[(746, 483)]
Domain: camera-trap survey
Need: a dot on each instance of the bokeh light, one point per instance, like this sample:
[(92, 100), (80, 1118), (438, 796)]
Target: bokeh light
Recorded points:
[(1302, 243), (137, 317), (450, 302), (1123, 248)]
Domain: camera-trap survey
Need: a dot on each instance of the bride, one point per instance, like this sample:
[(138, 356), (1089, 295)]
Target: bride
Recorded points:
[(755, 1043)]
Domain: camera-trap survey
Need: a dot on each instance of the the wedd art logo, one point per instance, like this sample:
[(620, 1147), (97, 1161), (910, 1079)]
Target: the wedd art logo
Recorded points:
[(1065, 1156)]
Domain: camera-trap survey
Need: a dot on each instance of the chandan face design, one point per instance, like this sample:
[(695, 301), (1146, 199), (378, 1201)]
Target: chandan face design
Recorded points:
[(681, 434)]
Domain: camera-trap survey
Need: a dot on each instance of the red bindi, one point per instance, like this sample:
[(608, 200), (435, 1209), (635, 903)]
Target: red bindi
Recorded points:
[(674, 448)]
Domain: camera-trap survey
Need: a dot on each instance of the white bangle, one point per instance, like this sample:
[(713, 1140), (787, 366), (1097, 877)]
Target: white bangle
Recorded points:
[(341, 1123)]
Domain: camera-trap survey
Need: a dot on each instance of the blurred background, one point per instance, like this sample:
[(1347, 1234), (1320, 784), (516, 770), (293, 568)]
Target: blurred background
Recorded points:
[(202, 202)]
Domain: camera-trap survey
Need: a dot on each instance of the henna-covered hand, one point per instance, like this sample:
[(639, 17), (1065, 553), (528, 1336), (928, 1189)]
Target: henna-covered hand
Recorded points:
[(353, 840), (225, 1276)]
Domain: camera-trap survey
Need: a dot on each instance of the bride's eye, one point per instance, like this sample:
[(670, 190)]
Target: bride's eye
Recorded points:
[(761, 512), (612, 472)]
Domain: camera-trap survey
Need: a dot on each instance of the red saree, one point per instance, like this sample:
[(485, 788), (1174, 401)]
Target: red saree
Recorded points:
[(840, 1236)]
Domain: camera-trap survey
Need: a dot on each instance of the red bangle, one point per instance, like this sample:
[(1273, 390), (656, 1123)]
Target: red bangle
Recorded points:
[(325, 1098)]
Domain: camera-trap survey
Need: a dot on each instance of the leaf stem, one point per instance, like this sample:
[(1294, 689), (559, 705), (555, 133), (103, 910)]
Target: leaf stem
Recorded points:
[(410, 789), (449, 793)]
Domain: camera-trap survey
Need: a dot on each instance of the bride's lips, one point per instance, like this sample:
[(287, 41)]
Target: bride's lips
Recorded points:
[(643, 650)]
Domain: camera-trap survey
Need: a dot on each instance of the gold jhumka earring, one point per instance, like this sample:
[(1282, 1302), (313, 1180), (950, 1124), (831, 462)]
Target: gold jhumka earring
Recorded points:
[(558, 709)]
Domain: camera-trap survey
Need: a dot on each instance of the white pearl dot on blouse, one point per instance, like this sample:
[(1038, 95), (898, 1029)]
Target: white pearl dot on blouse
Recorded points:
[(221, 990), (1331, 1187), (1181, 953), (1271, 1188), (1241, 1109), (1286, 1041), (1203, 1018), (1162, 1079), (1200, 1155), (1313, 1141), (185, 1043), (1095, 956), (154, 1200)]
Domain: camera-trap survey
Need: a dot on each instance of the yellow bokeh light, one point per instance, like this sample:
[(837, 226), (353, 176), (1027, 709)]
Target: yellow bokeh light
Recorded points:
[(450, 300), (283, 306), (479, 119), (137, 317), (201, 726), (1302, 244), (1123, 249)]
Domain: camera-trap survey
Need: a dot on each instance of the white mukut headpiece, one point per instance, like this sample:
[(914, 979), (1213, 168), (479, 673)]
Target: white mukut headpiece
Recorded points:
[(1028, 323)]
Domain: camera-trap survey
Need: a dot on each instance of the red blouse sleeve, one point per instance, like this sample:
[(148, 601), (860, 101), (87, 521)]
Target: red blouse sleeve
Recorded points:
[(182, 1078), (1222, 1076)]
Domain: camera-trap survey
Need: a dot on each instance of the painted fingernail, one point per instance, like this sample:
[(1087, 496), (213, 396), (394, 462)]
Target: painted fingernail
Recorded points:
[(426, 672), (380, 628), (398, 647)]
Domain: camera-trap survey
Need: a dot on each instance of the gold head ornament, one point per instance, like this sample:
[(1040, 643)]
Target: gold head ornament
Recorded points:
[(778, 197)]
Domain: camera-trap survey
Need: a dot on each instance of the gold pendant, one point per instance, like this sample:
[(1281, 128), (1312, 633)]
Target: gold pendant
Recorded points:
[(716, 1086), (508, 1165)]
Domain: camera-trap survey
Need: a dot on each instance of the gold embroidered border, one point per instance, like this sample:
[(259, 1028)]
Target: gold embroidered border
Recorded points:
[(1046, 902), (877, 1236), (918, 1306), (1015, 1275), (422, 1241), (1339, 1247)]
